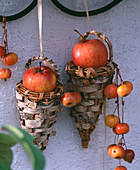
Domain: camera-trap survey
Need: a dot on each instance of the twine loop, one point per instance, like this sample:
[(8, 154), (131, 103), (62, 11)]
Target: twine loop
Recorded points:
[(40, 25)]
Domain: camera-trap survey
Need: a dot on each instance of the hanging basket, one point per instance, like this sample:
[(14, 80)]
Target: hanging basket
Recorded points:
[(90, 82), (38, 111)]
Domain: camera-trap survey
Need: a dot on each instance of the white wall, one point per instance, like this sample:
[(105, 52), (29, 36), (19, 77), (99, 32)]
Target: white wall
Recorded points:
[(64, 152)]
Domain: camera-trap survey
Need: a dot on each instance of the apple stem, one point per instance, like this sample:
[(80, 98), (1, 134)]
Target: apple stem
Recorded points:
[(40, 65), (4, 65), (118, 140), (117, 101), (2, 39), (66, 89), (115, 109), (81, 37), (120, 162), (115, 139), (124, 141), (118, 72), (122, 110)]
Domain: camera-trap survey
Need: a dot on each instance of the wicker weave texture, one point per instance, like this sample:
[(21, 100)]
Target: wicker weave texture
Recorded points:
[(37, 118), (86, 113)]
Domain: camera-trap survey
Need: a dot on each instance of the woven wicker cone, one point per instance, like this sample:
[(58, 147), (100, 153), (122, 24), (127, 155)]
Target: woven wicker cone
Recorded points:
[(38, 111), (90, 83)]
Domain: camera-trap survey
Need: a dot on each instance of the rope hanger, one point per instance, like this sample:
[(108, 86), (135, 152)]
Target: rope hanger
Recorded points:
[(40, 24), (45, 59), (87, 13)]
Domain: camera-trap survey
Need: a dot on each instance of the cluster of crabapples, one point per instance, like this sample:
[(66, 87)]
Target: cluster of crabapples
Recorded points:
[(119, 127), (9, 59), (111, 91)]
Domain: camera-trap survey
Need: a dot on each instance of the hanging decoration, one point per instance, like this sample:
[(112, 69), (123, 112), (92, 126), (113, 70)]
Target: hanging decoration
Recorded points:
[(90, 70), (118, 149), (39, 95), (90, 83), (8, 58)]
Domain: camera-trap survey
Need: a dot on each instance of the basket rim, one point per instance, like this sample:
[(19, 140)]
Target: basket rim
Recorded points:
[(40, 97), (87, 73)]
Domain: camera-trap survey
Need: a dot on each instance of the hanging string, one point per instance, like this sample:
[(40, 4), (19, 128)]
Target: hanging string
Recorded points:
[(4, 40), (85, 3), (4, 37), (119, 162), (3, 21), (46, 61), (122, 110), (104, 104), (40, 24), (117, 102), (91, 30)]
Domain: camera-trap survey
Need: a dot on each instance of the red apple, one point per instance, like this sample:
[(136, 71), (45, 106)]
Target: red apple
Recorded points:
[(120, 168), (90, 53), (110, 91), (111, 120), (10, 59), (40, 79), (129, 155), (122, 128), (68, 100), (77, 95), (129, 84), (115, 151), (71, 99), (2, 51), (114, 130), (5, 73), (124, 89)]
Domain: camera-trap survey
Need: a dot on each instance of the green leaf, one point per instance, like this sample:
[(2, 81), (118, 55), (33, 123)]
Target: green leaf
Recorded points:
[(3, 166), (7, 140), (26, 140), (6, 156), (18, 133)]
